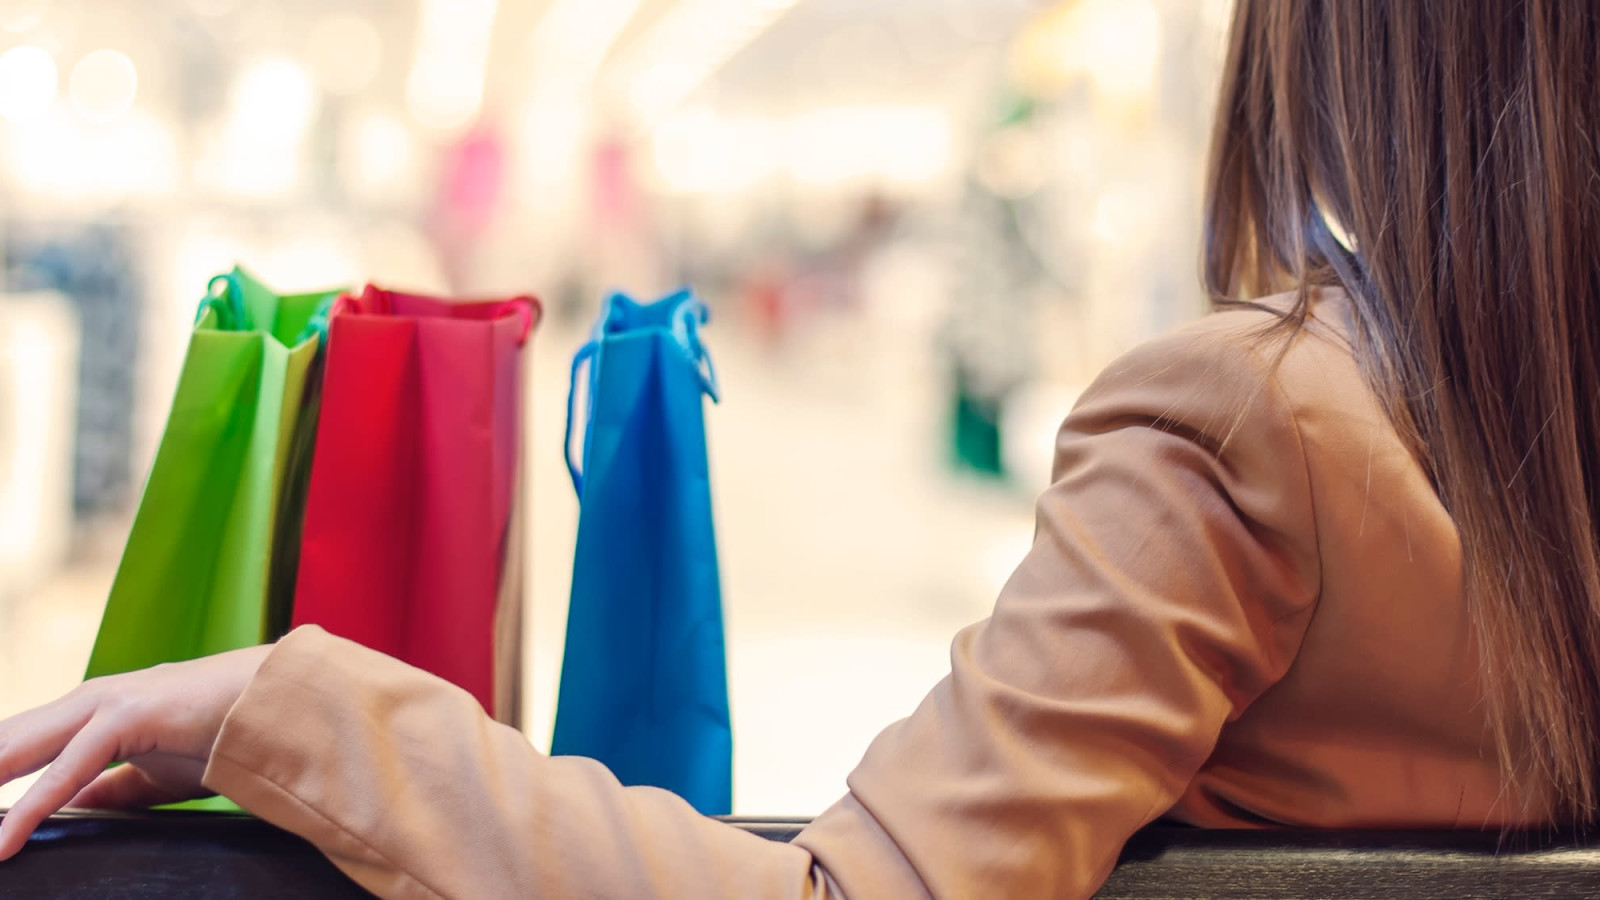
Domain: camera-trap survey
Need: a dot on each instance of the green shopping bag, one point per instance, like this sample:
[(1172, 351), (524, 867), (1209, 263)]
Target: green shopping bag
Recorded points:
[(209, 564)]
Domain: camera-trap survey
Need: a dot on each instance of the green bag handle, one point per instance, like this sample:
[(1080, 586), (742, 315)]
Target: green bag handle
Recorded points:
[(318, 325), (229, 305)]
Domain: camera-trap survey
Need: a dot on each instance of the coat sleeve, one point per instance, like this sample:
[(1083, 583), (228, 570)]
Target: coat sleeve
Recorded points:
[(1172, 576)]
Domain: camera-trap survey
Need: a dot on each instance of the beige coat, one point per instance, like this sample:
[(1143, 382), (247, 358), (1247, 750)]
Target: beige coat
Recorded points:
[(1242, 607)]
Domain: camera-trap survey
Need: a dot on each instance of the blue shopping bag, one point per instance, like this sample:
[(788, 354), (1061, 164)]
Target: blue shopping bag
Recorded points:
[(644, 680)]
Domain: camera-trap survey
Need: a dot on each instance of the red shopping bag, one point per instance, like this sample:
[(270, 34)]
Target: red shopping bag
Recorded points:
[(410, 542)]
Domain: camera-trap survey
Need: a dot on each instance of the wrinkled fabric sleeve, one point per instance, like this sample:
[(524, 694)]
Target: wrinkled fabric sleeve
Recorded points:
[(1172, 576), (1173, 573)]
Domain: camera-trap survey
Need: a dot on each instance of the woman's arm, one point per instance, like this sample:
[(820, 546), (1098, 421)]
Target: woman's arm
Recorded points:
[(408, 787), (1173, 573), (1172, 576)]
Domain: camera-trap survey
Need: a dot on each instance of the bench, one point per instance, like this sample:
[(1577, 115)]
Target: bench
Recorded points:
[(203, 855)]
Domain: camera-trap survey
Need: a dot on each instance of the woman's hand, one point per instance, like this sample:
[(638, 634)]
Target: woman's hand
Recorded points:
[(162, 721)]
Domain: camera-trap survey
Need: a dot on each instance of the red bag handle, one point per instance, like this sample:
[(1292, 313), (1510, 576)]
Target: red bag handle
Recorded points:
[(529, 309), (381, 302)]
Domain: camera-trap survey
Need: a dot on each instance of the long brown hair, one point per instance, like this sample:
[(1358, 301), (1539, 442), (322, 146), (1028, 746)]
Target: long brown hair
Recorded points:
[(1455, 142)]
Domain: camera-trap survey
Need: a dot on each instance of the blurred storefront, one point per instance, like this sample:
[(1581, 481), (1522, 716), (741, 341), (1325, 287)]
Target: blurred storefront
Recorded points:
[(923, 226)]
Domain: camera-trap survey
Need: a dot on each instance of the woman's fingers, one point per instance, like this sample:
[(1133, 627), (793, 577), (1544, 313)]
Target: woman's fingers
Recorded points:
[(85, 756), (30, 740), (165, 718), (125, 787)]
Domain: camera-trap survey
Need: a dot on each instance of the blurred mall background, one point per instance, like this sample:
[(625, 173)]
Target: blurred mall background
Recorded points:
[(923, 225)]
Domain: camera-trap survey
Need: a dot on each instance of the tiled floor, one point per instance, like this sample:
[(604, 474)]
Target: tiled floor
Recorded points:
[(849, 559)]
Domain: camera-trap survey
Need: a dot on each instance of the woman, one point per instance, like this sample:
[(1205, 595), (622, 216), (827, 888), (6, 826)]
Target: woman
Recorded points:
[(1326, 558)]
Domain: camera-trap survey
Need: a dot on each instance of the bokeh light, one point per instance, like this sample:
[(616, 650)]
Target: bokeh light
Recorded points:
[(378, 157), (345, 52), (21, 16), (103, 85), (274, 96), (27, 82), (444, 90)]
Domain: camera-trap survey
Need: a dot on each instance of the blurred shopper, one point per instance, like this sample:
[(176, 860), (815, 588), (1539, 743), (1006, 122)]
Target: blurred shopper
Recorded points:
[(1327, 558)]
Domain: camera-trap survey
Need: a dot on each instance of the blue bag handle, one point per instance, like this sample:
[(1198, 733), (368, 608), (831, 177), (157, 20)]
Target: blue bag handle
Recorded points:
[(585, 354), (686, 322), (687, 319)]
